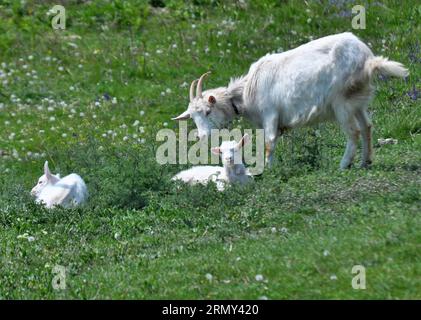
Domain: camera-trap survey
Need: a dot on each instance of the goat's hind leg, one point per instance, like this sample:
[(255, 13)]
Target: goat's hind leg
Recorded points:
[(366, 137), (349, 126)]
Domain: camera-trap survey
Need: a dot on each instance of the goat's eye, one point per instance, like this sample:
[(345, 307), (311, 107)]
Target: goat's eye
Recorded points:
[(40, 182)]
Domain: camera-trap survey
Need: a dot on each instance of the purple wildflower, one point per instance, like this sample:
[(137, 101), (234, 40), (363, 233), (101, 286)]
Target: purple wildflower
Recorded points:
[(414, 93)]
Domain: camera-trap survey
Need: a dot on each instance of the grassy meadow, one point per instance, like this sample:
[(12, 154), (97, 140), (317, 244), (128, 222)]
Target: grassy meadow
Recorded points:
[(91, 98)]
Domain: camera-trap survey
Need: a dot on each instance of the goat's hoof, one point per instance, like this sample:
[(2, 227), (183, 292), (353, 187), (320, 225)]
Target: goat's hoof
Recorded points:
[(346, 167), (366, 164)]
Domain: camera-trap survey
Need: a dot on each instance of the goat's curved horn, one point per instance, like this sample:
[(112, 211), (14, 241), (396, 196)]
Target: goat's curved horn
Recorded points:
[(192, 89), (200, 84)]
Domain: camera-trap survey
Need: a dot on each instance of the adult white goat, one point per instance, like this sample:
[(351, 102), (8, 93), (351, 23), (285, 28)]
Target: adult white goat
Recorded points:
[(233, 170), (52, 191), (325, 79)]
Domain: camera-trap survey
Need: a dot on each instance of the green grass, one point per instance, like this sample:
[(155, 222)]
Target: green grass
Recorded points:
[(302, 225)]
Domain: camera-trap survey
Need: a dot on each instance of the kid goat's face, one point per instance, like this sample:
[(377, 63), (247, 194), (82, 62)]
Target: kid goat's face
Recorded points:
[(46, 179), (41, 184), (230, 151)]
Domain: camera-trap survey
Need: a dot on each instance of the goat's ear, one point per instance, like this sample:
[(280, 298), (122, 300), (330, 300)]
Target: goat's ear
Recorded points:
[(216, 150), (212, 100), (245, 139), (184, 116), (47, 172)]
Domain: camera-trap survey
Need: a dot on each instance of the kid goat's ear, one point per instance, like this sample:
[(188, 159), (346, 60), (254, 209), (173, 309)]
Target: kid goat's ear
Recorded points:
[(245, 139), (216, 150), (47, 172), (212, 100)]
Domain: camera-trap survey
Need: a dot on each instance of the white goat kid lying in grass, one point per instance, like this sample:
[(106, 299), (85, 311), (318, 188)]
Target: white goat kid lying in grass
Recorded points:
[(326, 79), (233, 170), (51, 191)]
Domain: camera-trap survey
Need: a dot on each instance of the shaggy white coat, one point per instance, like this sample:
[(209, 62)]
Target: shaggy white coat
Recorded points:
[(51, 190), (326, 79)]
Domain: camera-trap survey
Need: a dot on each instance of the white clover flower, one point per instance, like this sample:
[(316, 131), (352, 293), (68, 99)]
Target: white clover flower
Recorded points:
[(142, 112), (259, 277), (125, 138), (209, 277), (168, 90), (159, 51), (333, 277), (52, 119), (64, 135), (326, 253), (60, 68), (174, 46), (165, 124), (136, 123), (82, 114), (23, 236), (97, 104), (71, 88), (142, 140), (114, 100), (30, 57)]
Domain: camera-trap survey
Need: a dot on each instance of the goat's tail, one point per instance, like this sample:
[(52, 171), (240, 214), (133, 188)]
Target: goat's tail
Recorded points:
[(386, 67)]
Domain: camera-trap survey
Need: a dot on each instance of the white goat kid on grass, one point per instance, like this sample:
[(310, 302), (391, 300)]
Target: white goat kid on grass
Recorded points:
[(51, 190), (233, 170), (326, 79)]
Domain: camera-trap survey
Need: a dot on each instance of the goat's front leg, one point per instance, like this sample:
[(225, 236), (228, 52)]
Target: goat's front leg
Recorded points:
[(271, 135)]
